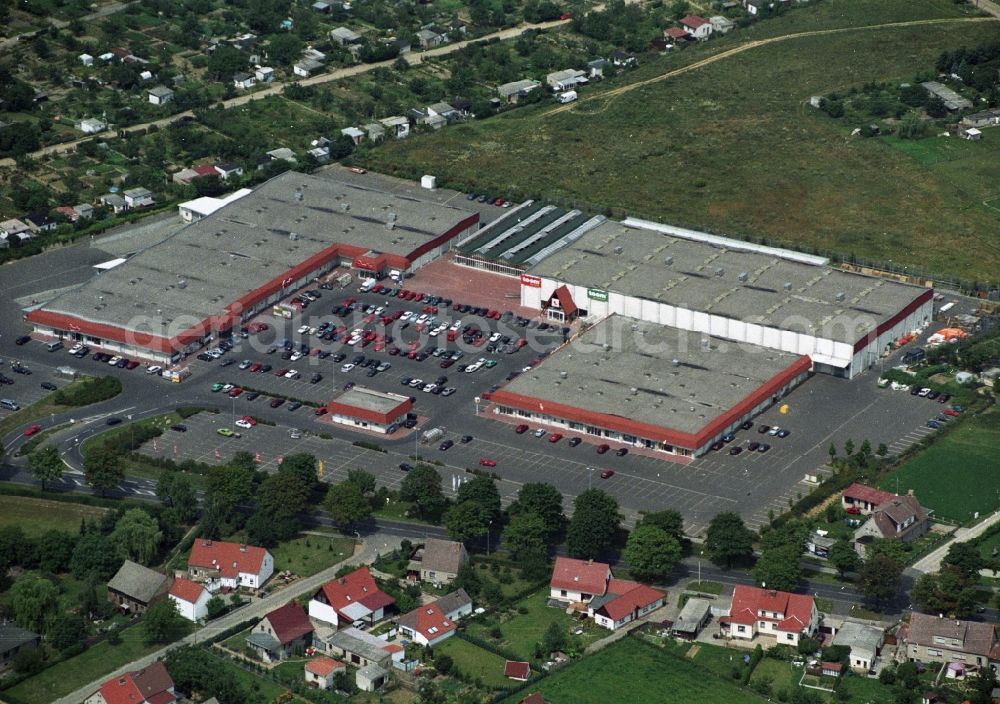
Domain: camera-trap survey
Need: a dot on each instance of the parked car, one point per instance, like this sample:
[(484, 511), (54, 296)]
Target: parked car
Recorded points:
[(446, 445), (32, 430), (621, 451), (521, 429), (602, 448), (487, 462), (607, 474)]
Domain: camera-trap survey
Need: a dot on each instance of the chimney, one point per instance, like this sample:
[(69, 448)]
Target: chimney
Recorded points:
[(243, 547)]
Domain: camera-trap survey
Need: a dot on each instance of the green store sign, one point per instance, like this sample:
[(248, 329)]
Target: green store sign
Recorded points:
[(596, 294)]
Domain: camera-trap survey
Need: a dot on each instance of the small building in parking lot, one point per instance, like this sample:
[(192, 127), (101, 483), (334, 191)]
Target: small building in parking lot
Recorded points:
[(651, 386), (369, 409)]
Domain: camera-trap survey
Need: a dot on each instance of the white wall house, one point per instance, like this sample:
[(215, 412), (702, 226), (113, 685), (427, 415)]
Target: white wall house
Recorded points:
[(191, 599)]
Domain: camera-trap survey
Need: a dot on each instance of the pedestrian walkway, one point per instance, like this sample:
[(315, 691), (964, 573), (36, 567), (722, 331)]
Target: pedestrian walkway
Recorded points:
[(931, 562)]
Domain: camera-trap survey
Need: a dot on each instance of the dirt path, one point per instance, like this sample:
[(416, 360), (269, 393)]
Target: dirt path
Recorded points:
[(729, 53)]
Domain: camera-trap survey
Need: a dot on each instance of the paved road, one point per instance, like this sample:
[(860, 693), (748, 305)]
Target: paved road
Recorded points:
[(366, 554), (931, 562)]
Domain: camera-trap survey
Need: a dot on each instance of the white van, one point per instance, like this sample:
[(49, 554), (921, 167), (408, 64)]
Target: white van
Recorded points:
[(53, 346), (9, 404), (368, 285), (567, 97)]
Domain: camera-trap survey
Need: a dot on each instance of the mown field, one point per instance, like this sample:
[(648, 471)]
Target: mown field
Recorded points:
[(959, 474), (734, 147), (35, 516)]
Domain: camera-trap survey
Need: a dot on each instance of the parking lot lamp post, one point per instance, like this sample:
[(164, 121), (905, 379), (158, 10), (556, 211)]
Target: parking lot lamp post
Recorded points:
[(700, 553), (488, 528), (590, 477), (233, 399)]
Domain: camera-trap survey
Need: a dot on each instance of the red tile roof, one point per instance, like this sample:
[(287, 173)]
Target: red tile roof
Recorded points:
[(565, 298), (205, 170), (358, 587), (289, 622), (860, 492), (423, 618), (827, 666), (628, 602), (748, 602), (676, 32), (533, 698), (229, 558), (693, 21), (517, 670), (186, 590), (574, 575), (324, 666), (150, 684)]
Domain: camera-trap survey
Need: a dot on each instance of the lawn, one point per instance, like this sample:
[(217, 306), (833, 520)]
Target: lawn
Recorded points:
[(309, 554), (636, 672), (523, 630), (733, 147), (958, 475), (263, 690), (704, 587), (64, 677), (45, 406), (35, 516), (475, 662), (864, 690), (780, 674), (727, 663)]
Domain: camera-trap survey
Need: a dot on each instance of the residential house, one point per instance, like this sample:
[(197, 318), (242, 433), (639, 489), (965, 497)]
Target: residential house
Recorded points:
[(138, 197), (565, 80), (782, 615), (160, 95), (987, 118), (578, 580), (91, 125), (40, 222), (721, 25), (595, 68), (191, 599), (314, 54), (831, 669), (416, 116), (229, 565), (86, 59), (516, 91), (698, 27), (445, 110), (321, 7), (864, 641), (517, 670), (371, 678), (227, 169), (463, 106), (67, 212), (971, 134), (84, 210), (863, 499), (937, 639), (533, 698), (283, 153), (433, 623), (307, 67), (319, 671), (243, 80), (14, 230), (675, 36), (357, 136), (320, 154), (283, 632), (135, 588), (755, 8), (401, 46), (351, 599), (900, 518), (264, 74), (437, 561), (149, 685), (397, 125), (429, 38), (952, 100), (622, 59), (693, 617), (360, 649), (344, 36), (13, 640), (114, 201), (624, 602), (375, 132)]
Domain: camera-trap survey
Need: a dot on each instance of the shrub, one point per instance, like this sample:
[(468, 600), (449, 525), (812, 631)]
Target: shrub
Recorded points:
[(88, 391)]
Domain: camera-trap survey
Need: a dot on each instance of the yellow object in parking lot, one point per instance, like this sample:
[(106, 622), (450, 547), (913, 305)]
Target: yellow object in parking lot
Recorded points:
[(784, 408)]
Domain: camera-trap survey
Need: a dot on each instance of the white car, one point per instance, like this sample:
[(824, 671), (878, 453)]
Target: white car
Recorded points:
[(495, 336), (406, 315), (347, 367), (75, 348), (924, 391), (429, 387), (422, 318), (435, 332), (473, 367), (245, 364), (354, 339), (226, 388), (291, 374), (380, 310), (303, 329), (155, 369), (243, 424), (296, 356), (416, 382), (456, 325), (117, 358)]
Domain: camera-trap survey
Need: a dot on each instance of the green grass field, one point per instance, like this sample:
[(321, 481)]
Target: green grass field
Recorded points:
[(638, 673), (523, 631), (780, 674), (475, 662), (959, 474), (734, 147), (305, 559), (35, 516)]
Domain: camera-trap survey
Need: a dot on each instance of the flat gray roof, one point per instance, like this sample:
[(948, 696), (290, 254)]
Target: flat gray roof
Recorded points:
[(625, 367), (794, 292), (693, 615), (248, 243), (370, 399), (859, 636)]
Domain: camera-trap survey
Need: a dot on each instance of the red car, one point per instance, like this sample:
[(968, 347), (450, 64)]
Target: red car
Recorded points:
[(31, 430), (235, 391), (132, 364), (951, 412), (256, 327), (486, 395), (321, 411), (853, 510), (255, 367), (249, 419), (555, 437), (602, 448), (281, 372), (379, 346), (487, 462), (393, 351), (607, 473), (521, 429)]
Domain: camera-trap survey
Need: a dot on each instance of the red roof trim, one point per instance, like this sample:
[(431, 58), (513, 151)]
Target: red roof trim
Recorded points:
[(368, 415), (891, 322), (691, 441)]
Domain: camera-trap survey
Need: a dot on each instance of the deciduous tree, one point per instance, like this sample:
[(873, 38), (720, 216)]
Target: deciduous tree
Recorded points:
[(162, 622), (728, 540), (545, 501), (102, 468), (778, 568), (525, 537), (422, 487), (878, 579), (346, 504), (137, 535), (844, 557), (34, 600), (46, 465), (594, 524), (651, 552)]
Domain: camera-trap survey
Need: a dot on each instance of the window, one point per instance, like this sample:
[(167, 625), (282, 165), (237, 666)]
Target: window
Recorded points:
[(934, 653), (741, 629), (789, 636), (562, 592)]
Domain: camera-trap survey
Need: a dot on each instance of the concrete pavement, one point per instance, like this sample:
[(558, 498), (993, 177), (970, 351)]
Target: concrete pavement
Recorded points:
[(371, 547), (931, 562)]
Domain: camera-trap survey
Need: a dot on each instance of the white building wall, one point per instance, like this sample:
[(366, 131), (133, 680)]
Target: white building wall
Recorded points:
[(322, 612)]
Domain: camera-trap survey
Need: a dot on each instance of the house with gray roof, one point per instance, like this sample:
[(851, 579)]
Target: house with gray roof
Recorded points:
[(438, 561), (160, 95), (344, 36), (952, 100), (13, 640), (515, 91), (135, 588), (864, 640)]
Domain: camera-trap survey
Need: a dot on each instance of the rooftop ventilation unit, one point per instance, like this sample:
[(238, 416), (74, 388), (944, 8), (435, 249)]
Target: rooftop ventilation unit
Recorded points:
[(675, 362), (787, 285), (840, 296), (634, 391), (182, 284), (298, 195), (292, 236), (669, 261), (345, 206), (719, 271), (619, 249), (743, 277), (563, 375)]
